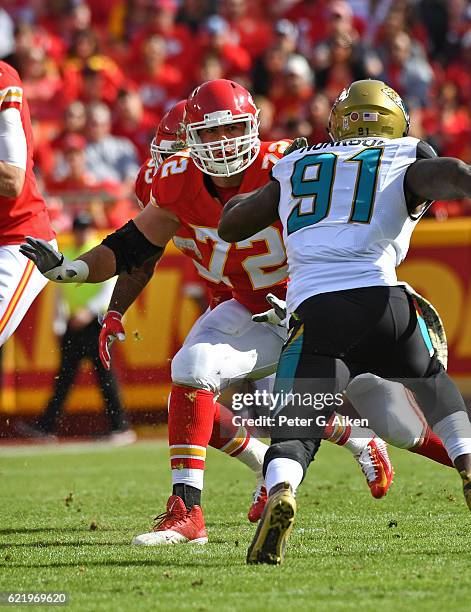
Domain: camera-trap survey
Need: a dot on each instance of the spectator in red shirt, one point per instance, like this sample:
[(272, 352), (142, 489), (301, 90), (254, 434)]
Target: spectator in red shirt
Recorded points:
[(161, 21), (74, 121), (42, 84), (340, 20), (215, 40), (79, 189), (209, 68), (97, 85), (102, 11), (86, 61), (448, 124), (316, 18), (159, 83), (65, 20), (338, 62), (77, 178), (29, 35), (341, 57), (459, 71), (252, 32), (132, 121), (297, 90)]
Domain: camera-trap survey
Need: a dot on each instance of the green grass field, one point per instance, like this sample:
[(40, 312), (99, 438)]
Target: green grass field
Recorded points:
[(67, 519)]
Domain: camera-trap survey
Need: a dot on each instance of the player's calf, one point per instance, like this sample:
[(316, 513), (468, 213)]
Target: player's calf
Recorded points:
[(455, 433), (368, 450), (237, 442)]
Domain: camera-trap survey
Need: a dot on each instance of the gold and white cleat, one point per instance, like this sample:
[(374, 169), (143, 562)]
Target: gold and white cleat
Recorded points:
[(269, 543)]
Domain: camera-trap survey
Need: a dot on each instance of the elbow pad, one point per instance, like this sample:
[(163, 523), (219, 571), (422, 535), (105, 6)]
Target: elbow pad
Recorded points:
[(130, 247)]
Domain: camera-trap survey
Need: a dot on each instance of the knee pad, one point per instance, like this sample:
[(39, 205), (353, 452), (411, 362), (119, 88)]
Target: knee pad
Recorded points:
[(391, 410), (192, 367), (302, 451)]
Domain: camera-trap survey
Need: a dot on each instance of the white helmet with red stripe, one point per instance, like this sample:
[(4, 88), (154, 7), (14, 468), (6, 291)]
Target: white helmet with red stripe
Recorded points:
[(213, 104), (170, 135)]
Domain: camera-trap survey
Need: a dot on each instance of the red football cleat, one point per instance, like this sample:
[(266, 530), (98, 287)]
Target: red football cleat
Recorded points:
[(376, 466), (259, 501), (176, 525)]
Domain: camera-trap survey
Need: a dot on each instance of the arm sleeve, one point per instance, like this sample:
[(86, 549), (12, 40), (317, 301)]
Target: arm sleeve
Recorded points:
[(99, 302), (13, 149)]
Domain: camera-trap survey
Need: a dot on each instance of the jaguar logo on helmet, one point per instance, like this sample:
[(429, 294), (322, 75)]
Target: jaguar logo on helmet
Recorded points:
[(395, 97)]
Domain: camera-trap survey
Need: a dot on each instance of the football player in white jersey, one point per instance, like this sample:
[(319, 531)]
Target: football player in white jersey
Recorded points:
[(348, 210)]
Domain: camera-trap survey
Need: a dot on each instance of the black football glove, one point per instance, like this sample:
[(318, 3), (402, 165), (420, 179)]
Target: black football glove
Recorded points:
[(52, 264), (298, 143)]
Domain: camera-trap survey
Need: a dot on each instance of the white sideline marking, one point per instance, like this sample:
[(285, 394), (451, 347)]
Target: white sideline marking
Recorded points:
[(72, 448)]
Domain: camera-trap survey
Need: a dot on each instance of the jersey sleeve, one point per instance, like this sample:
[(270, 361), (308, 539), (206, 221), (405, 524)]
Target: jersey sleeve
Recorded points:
[(168, 183), (11, 90), (143, 182), (274, 152), (425, 150)]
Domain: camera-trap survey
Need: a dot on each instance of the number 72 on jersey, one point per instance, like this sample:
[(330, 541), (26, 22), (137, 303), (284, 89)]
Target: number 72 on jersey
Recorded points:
[(264, 269)]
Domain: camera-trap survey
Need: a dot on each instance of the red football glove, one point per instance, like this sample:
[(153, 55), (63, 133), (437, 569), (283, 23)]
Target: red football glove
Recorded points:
[(112, 328)]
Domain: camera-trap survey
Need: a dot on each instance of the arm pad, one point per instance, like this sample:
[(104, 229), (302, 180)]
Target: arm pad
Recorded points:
[(130, 247), (13, 149)]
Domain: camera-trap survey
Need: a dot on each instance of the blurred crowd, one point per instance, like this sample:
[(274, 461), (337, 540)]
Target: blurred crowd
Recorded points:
[(99, 75)]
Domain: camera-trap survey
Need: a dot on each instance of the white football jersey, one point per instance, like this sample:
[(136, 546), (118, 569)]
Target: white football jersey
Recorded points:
[(344, 214)]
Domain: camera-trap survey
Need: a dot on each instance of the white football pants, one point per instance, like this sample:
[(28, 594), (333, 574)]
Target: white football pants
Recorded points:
[(20, 283), (225, 345)]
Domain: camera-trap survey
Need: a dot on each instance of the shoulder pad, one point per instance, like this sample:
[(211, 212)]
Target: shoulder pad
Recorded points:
[(271, 152), (143, 182), (172, 180), (278, 147)]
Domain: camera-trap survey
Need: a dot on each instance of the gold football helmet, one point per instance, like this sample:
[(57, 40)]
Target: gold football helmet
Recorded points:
[(368, 108)]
